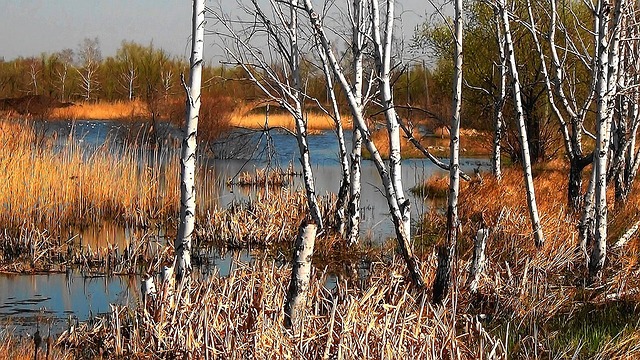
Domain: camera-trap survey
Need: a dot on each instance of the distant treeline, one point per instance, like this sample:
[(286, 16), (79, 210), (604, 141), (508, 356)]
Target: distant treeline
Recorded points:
[(144, 72)]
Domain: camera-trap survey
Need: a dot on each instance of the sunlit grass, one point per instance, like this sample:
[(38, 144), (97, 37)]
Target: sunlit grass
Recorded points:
[(103, 110), (51, 187)]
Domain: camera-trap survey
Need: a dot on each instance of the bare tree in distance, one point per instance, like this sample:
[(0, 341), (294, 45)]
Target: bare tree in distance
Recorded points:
[(89, 58)]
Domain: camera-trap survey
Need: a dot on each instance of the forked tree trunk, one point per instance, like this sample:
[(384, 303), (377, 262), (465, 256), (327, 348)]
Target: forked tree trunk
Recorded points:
[(188, 156), (300, 276), (447, 255), (524, 143), (345, 181)]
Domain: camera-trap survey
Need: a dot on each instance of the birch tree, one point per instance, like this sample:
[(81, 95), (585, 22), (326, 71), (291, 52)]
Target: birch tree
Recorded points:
[(65, 59), (188, 156), (90, 57), (359, 33), (522, 131), (559, 84), (345, 182), (447, 254), (607, 65), (402, 234), (382, 55)]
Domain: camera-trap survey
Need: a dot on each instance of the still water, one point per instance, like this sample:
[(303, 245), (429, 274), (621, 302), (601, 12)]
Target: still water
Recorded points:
[(27, 301)]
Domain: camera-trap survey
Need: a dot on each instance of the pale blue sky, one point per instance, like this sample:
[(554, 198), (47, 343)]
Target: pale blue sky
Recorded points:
[(30, 27)]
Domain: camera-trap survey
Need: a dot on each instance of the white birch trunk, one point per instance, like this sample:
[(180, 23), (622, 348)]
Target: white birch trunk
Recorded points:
[(300, 276), (478, 261), (345, 181), (188, 156), (603, 123), (383, 63), (585, 228), (524, 143), (301, 123), (357, 44), (498, 118), (443, 274)]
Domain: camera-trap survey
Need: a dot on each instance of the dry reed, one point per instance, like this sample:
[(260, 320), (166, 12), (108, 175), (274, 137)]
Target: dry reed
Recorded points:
[(103, 110), (53, 188), (245, 116)]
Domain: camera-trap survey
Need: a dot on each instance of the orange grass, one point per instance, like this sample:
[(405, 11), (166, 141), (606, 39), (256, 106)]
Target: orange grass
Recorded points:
[(246, 117), (544, 290), (531, 303), (45, 187), (103, 110), (472, 143)]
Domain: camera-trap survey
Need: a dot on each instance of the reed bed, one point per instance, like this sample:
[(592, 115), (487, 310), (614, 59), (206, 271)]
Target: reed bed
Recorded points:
[(472, 143), (33, 250), (103, 110), (241, 316), (540, 299), (243, 117), (435, 187), (53, 188)]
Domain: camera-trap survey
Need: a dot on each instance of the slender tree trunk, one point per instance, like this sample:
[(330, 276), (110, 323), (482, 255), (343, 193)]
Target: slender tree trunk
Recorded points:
[(498, 118), (345, 181), (355, 188), (443, 274), (383, 64), (357, 44), (526, 160), (301, 123), (188, 156)]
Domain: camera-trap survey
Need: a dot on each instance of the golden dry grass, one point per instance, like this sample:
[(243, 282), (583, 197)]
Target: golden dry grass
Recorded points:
[(532, 303), (241, 316), (103, 110), (246, 117), (46, 187)]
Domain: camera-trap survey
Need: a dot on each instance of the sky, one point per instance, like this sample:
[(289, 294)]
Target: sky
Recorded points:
[(31, 27)]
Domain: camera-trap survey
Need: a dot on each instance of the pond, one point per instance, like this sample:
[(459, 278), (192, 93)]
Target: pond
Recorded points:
[(26, 300)]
